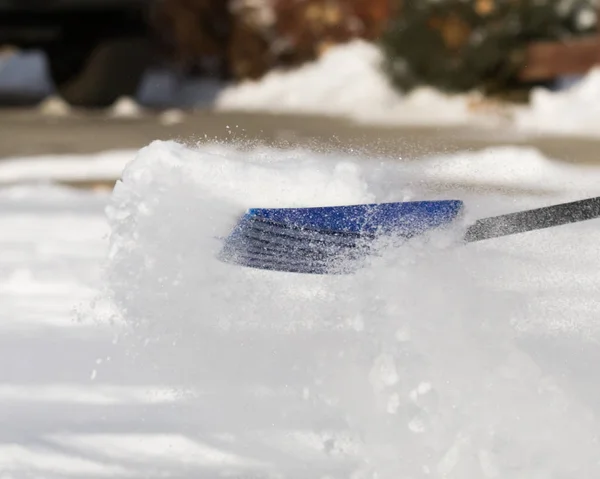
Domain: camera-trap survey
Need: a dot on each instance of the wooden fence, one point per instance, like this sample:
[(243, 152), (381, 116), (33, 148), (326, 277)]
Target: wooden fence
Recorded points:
[(549, 60)]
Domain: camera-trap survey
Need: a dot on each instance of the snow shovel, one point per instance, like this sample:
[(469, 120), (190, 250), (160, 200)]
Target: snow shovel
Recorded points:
[(334, 239)]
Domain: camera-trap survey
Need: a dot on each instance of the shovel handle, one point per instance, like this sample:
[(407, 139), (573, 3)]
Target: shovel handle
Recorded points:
[(535, 219)]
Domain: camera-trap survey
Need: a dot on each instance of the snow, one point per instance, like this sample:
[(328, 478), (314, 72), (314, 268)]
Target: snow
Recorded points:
[(126, 107), (55, 106), (106, 165), (73, 404), (346, 81), (172, 116), (574, 111), (522, 167), (129, 351)]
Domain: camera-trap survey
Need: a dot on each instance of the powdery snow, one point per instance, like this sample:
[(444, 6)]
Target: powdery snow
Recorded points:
[(73, 403), (129, 351), (417, 354), (347, 81)]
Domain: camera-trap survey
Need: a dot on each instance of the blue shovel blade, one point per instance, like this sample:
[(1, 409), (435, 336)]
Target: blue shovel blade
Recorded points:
[(317, 240)]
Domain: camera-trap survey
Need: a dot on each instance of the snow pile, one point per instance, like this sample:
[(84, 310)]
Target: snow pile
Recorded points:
[(574, 111), (347, 80), (172, 116), (126, 107), (410, 368), (55, 106)]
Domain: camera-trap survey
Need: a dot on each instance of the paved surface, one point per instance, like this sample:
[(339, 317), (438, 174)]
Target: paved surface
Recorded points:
[(25, 132)]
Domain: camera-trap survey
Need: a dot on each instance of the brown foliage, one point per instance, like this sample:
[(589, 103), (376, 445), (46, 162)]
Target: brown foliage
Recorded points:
[(251, 37), (248, 52), (454, 30), (193, 29), (310, 26)]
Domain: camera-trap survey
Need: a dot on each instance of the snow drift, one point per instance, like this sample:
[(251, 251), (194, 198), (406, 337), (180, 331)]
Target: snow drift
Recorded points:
[(411, 368), (348, 81), (573, 111)]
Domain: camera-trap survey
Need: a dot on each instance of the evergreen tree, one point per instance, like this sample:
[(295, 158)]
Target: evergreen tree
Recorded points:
[(460, 45)]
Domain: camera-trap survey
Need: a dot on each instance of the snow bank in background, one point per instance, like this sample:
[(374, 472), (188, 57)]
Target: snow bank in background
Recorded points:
[(409, 368), (102, 166), (574, 111), (126, 107), (346, 81), (55, 106), (172, 116)]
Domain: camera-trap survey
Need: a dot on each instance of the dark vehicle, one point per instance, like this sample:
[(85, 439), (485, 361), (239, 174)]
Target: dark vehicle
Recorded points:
[(97, 50)]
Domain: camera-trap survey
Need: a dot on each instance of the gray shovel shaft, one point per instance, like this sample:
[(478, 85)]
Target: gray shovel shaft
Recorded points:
[(530, 220)]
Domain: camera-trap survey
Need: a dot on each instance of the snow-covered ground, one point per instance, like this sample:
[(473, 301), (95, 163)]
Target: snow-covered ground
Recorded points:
[(103, 166), (347, 81), (129, 351)]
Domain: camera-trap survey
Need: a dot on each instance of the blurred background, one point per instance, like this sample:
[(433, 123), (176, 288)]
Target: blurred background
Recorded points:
[(404, 78)]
